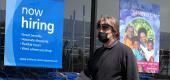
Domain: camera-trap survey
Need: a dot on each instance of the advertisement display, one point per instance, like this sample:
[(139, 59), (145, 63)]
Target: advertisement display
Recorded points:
[(34, 33), (140, 30)]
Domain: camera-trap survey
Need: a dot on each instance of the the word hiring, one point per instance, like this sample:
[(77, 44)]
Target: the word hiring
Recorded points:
[(37, 25)]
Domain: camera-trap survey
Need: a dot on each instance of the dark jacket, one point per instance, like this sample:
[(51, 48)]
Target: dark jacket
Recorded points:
[(115, 63)]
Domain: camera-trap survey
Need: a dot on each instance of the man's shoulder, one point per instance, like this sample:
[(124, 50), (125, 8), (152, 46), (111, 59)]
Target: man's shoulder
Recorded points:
[(100, 49), (122, 45), (124, 48)]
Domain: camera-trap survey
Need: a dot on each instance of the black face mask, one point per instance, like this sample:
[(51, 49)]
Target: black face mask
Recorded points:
[(102, 37)]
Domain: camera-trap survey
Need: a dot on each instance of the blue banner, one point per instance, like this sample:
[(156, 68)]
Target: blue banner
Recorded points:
[(34, 33), (140, 30)]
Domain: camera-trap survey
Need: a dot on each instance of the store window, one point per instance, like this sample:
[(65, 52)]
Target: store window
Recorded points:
[(111, 8), (76, 41), (76, 44), (76, 37)]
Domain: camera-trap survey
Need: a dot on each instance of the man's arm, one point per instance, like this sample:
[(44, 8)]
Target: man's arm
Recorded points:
[(130, 65)]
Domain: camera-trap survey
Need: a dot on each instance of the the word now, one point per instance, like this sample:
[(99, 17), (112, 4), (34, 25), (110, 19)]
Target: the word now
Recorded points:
[(32, 11)]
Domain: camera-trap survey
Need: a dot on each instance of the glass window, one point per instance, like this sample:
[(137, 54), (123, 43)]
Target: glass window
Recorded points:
[(76, 35), (111, 8), (76, 41)]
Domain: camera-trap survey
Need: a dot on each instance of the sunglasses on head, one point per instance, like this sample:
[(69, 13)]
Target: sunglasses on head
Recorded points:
[(105, 26)]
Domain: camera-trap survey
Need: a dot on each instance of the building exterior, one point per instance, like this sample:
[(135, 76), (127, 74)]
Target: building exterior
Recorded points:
[(77, 35)]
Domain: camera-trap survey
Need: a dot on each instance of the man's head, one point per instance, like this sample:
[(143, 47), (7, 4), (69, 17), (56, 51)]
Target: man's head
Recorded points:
[(108, 29)]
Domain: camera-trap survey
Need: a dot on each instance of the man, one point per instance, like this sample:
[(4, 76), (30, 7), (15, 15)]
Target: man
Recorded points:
[(114, 60)]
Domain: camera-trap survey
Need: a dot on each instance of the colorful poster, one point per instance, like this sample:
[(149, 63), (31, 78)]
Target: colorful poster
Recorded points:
[(140, 30), (34, 33)]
